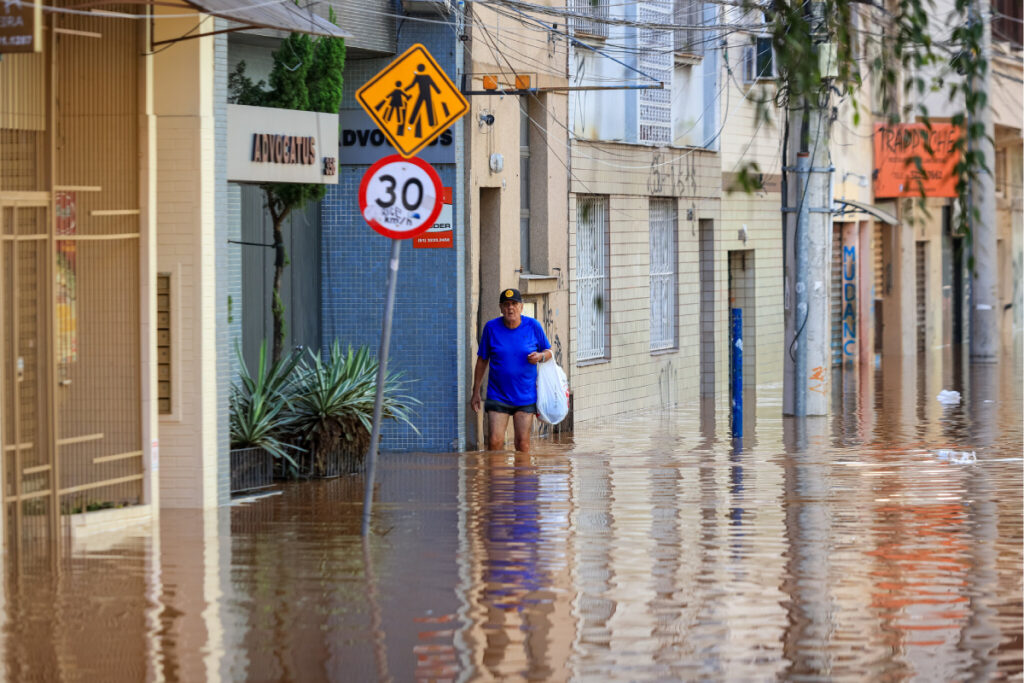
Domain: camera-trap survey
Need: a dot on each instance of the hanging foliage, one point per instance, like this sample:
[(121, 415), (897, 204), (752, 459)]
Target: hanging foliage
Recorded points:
[(906, 61)]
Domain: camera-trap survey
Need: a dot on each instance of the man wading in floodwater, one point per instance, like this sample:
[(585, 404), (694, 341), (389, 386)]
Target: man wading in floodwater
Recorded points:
[(513, 345)]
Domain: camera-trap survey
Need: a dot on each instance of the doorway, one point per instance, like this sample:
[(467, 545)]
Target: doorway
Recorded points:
[(30, 511)]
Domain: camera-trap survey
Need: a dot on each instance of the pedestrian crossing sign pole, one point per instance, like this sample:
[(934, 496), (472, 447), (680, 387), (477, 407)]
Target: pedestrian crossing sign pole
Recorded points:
[(412, 101)]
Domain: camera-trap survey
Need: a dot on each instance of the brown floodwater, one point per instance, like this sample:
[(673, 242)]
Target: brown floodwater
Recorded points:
[(647, 547)]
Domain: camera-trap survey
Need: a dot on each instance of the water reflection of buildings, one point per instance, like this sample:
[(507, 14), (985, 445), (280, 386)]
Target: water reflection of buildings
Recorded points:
[(654, 549), (932, 527)]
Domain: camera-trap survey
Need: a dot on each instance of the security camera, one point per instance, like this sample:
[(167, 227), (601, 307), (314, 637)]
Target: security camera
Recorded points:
[(487, 119)]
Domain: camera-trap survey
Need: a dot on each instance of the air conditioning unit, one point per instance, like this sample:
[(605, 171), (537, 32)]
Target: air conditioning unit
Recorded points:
[(427, 6)]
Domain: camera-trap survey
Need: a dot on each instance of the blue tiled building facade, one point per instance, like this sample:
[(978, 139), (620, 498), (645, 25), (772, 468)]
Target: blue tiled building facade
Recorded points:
[(425, 333)]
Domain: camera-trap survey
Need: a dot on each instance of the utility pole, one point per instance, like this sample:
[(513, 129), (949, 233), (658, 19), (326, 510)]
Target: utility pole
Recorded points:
[(808, 225), (985, 316)]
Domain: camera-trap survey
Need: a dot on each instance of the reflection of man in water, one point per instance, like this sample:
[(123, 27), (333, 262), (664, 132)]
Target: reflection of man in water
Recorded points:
[(395, 101), (423, 99)]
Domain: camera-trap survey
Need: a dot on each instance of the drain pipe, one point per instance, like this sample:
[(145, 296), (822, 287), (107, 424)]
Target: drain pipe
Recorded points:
[(803, 170), (460, 217)]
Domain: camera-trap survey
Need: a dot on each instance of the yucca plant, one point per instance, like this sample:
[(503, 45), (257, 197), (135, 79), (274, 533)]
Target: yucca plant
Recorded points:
[(332, 408), (260, 405)]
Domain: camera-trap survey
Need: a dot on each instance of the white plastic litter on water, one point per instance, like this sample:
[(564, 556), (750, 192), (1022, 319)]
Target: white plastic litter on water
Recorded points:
[(948, 397), (956, 457)]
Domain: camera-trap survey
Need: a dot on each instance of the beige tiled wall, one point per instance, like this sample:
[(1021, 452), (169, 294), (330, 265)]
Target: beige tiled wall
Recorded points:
[(633, 377), (185, 249)]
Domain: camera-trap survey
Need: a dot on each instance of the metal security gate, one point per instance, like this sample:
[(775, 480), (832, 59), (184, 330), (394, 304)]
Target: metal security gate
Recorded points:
[(70, 356), (836, 295), (592, 278), (25, 375), (300, 286), (920, 256)]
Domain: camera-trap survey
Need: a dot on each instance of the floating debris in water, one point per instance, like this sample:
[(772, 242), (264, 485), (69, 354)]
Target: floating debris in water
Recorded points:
[(957, 457)]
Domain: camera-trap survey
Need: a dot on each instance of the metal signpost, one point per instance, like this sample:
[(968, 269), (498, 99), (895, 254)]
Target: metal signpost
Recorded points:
[(399, 198), (412, 101)]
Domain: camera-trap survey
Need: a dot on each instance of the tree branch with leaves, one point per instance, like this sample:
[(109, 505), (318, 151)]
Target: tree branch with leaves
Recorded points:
[(306, 76)]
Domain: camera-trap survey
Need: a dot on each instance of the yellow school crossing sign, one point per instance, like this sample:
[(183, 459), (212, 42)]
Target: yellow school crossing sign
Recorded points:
[(412, 101)]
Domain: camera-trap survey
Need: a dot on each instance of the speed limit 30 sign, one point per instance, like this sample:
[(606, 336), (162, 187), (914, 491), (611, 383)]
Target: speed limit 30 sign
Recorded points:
[(400, 198)]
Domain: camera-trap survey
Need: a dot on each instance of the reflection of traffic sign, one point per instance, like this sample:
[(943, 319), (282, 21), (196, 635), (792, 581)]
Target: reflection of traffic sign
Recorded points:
[(400, 198), (412, 100)]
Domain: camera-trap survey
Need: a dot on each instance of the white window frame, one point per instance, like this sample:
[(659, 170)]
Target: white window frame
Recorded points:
[(592, 278), (524, 186), (761, 44), (664, 273)]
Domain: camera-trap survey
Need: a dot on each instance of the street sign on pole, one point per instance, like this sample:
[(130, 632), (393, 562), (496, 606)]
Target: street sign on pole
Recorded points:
[(412, 100), (400, 198)]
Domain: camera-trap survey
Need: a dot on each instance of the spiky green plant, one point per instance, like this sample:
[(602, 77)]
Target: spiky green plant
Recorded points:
[(332, 408), (260, 413)]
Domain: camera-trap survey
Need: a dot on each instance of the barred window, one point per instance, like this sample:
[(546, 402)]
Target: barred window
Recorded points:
[(592, 277), (689, 14), (663, 274), (524, 186), (591, 17)]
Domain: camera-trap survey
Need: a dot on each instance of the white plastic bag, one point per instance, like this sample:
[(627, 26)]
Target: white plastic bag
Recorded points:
[(552, 392)]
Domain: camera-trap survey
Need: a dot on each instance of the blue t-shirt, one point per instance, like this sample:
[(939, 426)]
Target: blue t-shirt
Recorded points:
[(512, 379)]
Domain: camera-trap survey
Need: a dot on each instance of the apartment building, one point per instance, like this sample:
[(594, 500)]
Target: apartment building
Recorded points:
[(662, 251)]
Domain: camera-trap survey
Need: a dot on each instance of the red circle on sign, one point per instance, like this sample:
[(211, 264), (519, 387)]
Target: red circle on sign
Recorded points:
[(376, 171)]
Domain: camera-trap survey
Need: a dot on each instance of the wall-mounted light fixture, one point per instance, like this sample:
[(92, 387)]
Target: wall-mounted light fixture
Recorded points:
[(862, 180)]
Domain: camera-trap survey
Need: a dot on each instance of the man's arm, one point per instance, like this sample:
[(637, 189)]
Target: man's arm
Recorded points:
[(542, 342), (478, 378), (540, 356)]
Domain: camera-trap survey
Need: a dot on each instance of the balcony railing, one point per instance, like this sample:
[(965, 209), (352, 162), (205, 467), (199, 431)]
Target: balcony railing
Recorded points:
[(689, 41), (592, 20)]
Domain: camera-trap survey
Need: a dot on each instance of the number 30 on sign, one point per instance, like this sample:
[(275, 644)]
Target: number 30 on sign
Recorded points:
[(400, 198)]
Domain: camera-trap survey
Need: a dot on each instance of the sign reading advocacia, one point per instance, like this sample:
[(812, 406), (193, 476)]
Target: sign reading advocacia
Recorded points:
[(21, 26)]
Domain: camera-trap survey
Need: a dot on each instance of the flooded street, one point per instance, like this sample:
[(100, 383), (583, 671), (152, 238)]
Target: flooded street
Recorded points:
[(649, 547)]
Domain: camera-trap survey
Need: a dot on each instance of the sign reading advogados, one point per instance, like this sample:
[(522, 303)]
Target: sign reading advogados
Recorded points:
[(896, 148), (282, 146)]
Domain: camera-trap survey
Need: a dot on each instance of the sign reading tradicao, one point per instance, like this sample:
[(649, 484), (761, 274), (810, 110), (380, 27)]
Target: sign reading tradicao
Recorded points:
[(268, 145), (913, 161)]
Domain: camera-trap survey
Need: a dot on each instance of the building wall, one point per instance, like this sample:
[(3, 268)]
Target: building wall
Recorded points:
[(494, 256), (186, 130), (758, 216), (228, 264), (753, 219), (633, 377), (354, 259)]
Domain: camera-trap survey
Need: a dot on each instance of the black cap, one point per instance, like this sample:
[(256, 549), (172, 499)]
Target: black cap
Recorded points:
[(510, 295)]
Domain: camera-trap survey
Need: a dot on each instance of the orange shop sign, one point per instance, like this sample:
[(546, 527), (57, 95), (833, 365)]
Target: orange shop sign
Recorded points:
[(897, 146)]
